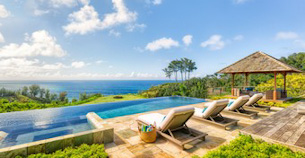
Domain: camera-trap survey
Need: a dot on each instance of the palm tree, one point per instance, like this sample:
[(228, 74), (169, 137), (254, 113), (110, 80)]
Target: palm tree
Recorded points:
[(173, 66), (181, 68), (186, 63), (168, 72)]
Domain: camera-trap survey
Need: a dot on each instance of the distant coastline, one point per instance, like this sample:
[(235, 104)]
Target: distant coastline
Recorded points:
[(74, 87)]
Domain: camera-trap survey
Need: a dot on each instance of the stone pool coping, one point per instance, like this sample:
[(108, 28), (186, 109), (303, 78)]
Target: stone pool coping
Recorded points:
[(95, 136)]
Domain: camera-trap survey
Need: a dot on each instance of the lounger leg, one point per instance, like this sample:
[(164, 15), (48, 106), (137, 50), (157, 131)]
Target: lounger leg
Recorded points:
[(170, 132)]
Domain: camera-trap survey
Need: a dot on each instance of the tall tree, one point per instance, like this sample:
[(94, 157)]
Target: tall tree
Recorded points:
[(168, 72), (191, 66), (48, 95), (62, 96), (34, 90), (296, 60), (173, 65), (42, 92), (24, 91), (181, 68)]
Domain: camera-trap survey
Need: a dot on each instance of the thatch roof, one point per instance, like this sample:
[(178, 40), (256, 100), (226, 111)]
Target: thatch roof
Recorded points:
[(258, 62)]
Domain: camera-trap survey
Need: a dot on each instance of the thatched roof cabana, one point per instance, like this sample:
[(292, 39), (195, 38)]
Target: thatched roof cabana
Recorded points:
[(259, 62)]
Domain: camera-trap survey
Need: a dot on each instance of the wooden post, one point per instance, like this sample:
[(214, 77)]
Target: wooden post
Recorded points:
[(284, 81), (232, 89), (285, 92), (274, 92), (246, 83)]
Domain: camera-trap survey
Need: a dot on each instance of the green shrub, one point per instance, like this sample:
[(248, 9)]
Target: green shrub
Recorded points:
[(195, 87), (83, 151), (246, 146)]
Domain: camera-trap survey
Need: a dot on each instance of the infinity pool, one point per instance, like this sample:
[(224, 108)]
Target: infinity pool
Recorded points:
[(33, 125)]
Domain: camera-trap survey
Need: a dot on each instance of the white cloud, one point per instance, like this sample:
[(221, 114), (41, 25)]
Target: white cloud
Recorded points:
[(121, 16), (214, 43), (78, 64), (286, 35), (83, 21), (240, 1), (110, 66), (132, 27), (238, 38), (87, 19), (2, 40), (3, 12), (60, 3), (38, 12), (157, 2), (187, 39), (162, 43), (114, 33), (13, 68), (40, 43), (100, 61)]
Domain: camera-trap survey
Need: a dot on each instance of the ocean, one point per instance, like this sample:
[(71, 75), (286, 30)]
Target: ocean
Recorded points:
[(73, 88)]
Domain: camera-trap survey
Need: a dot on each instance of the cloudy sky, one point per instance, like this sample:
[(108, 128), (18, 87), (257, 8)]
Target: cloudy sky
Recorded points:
[(135, 39)]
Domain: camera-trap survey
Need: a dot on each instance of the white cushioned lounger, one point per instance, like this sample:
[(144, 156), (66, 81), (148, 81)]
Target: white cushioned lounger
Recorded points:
[(253, 105), (175, 120), (236, 107), (211, 114)]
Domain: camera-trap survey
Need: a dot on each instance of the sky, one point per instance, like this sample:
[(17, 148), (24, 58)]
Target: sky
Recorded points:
[(136, 39)]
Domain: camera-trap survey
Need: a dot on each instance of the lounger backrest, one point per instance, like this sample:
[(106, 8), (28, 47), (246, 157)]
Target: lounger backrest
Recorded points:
[(215, 107), (255, 98), (176, 118), (239, 102)]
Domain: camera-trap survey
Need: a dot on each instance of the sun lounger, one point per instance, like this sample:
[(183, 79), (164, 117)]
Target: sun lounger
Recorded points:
[(235, 107), (174, 121), (253, 105), (211, 114)]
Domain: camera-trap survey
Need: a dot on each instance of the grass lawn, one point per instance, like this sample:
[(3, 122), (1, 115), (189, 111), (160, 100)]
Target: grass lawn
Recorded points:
[(111, 98), (245, 146)]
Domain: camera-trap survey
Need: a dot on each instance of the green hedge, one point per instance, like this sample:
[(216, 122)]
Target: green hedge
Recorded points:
[(83, 151), (6, 106), (245, 146)]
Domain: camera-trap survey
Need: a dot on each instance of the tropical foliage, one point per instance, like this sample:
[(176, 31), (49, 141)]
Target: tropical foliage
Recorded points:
[(195, 87), (296, 60), (295, 84), (34, 97), (246, 146), (83, 151), (184, 66)]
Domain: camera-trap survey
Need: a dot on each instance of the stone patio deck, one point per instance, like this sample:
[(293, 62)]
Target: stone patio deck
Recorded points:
[(128, 143), (285, 127)]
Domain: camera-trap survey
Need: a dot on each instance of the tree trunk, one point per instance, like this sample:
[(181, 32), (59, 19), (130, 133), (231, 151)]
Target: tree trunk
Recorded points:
[(181, 76)]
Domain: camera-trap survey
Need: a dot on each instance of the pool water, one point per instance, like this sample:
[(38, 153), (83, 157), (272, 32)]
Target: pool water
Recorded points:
[(33, 125)]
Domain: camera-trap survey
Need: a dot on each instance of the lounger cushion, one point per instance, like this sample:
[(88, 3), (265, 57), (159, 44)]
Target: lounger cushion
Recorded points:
[(175, 118), (213, 109), (231, 101), (198, 112), (152, 119), (239, 102), (184, 114), (255, 98)]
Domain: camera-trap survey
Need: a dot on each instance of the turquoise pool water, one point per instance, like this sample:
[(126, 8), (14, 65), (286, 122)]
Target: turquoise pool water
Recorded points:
[(33, 125)]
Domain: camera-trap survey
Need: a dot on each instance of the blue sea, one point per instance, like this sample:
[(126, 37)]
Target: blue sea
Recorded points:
[(73, 88)]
